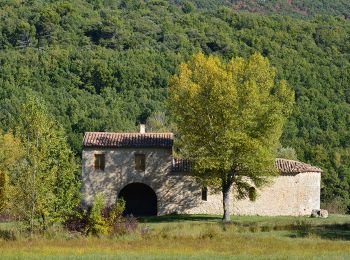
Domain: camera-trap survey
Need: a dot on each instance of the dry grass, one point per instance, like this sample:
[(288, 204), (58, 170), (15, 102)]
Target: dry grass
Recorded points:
[(243, 239)]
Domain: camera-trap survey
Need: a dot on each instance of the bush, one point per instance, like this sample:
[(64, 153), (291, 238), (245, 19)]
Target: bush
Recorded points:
[(115, 212), (78, 221), (97, 223), (118, 224), (102, 220)]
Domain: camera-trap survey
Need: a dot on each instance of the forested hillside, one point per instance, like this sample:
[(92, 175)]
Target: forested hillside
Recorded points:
[(104, 66), (296, 8)]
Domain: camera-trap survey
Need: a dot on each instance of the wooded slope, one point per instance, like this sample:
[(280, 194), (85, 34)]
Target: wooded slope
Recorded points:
[(104, 66)]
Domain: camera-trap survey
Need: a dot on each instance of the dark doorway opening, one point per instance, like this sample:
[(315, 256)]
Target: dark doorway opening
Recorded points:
[(140, 200)]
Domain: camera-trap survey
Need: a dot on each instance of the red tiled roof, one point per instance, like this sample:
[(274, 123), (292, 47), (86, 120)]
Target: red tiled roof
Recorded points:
[(291, 166), (283, 165), (128, 140)]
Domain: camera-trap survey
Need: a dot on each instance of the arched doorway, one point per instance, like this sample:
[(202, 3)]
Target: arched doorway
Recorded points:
[(140, 200)]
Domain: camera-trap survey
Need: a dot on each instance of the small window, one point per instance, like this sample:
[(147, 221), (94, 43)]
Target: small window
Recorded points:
[(205, 193), (100, 162), (140, 162)]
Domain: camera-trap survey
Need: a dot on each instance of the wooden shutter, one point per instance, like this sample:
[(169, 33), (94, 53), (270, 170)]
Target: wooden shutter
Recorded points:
[(140, 162), (100, 162)]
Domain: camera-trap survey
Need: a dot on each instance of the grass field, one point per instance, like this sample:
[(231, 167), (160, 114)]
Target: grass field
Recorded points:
[(195, 237)]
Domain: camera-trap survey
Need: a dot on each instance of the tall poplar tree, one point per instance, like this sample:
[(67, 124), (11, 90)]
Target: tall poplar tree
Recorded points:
[(45, 185), (11, 151), (229, 119)]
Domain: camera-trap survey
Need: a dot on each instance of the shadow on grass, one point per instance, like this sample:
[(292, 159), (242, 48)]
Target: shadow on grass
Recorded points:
[(179, 218), (333, 232), (299, 228)]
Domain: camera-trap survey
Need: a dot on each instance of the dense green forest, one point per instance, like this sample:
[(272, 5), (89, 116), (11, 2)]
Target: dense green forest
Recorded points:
[(105, 65), (296, 8)]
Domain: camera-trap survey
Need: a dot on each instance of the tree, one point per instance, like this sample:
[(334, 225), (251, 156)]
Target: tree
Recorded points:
[(158, 122), (229, 118), (286, 153), (45, 184), (11, 151)]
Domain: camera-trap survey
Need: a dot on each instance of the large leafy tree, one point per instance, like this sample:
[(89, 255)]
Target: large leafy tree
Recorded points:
[(229, 119)]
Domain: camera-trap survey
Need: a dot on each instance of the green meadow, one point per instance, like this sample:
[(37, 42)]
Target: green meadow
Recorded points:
[(191, 237)]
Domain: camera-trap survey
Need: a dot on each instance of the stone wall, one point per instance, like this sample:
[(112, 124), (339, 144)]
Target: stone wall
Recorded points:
[(175, 193), (288, 194)]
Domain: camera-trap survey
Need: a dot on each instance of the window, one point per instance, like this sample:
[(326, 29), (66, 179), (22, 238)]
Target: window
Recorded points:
[(140, 162), (100, 162), (205, 193)]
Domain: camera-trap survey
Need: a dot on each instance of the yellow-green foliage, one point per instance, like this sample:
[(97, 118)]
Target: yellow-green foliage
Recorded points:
[(229, 119), (97, 224), (102, 220), (11, 151), (229, 115), (44, 183), (116, 212)]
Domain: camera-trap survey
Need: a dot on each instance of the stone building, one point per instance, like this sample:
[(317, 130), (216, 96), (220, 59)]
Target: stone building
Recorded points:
[(140, 168)]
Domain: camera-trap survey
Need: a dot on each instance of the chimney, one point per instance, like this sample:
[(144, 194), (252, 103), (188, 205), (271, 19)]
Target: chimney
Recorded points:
[(142, 128)]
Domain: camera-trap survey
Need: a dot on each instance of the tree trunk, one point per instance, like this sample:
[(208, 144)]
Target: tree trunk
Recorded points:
[(44, 221), (226, 187)]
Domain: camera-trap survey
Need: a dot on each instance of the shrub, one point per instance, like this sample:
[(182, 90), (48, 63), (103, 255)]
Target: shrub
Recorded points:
[(118, 224), (124, 225), (102, 220), (115, 212), (78, 220), (97, 223)]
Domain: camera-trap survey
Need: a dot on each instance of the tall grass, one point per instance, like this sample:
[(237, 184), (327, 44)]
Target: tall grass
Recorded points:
[(245, 238)]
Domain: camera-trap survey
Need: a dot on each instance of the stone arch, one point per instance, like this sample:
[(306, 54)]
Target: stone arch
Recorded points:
[(141, 200)]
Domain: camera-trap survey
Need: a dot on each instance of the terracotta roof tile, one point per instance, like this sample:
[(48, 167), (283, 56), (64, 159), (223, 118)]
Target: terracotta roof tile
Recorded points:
[(291, 166), (128, 140), (283, 165), (165, 140)]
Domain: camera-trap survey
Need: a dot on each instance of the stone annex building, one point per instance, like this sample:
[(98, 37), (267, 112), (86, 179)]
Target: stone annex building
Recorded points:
[(140, 168)]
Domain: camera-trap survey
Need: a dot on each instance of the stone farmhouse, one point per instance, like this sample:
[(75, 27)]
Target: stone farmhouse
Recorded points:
[(140, 167)]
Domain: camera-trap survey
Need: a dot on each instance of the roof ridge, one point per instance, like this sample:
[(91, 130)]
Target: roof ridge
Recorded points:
[(128, 133), (137, 140), (284, 165), (290, 160)]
